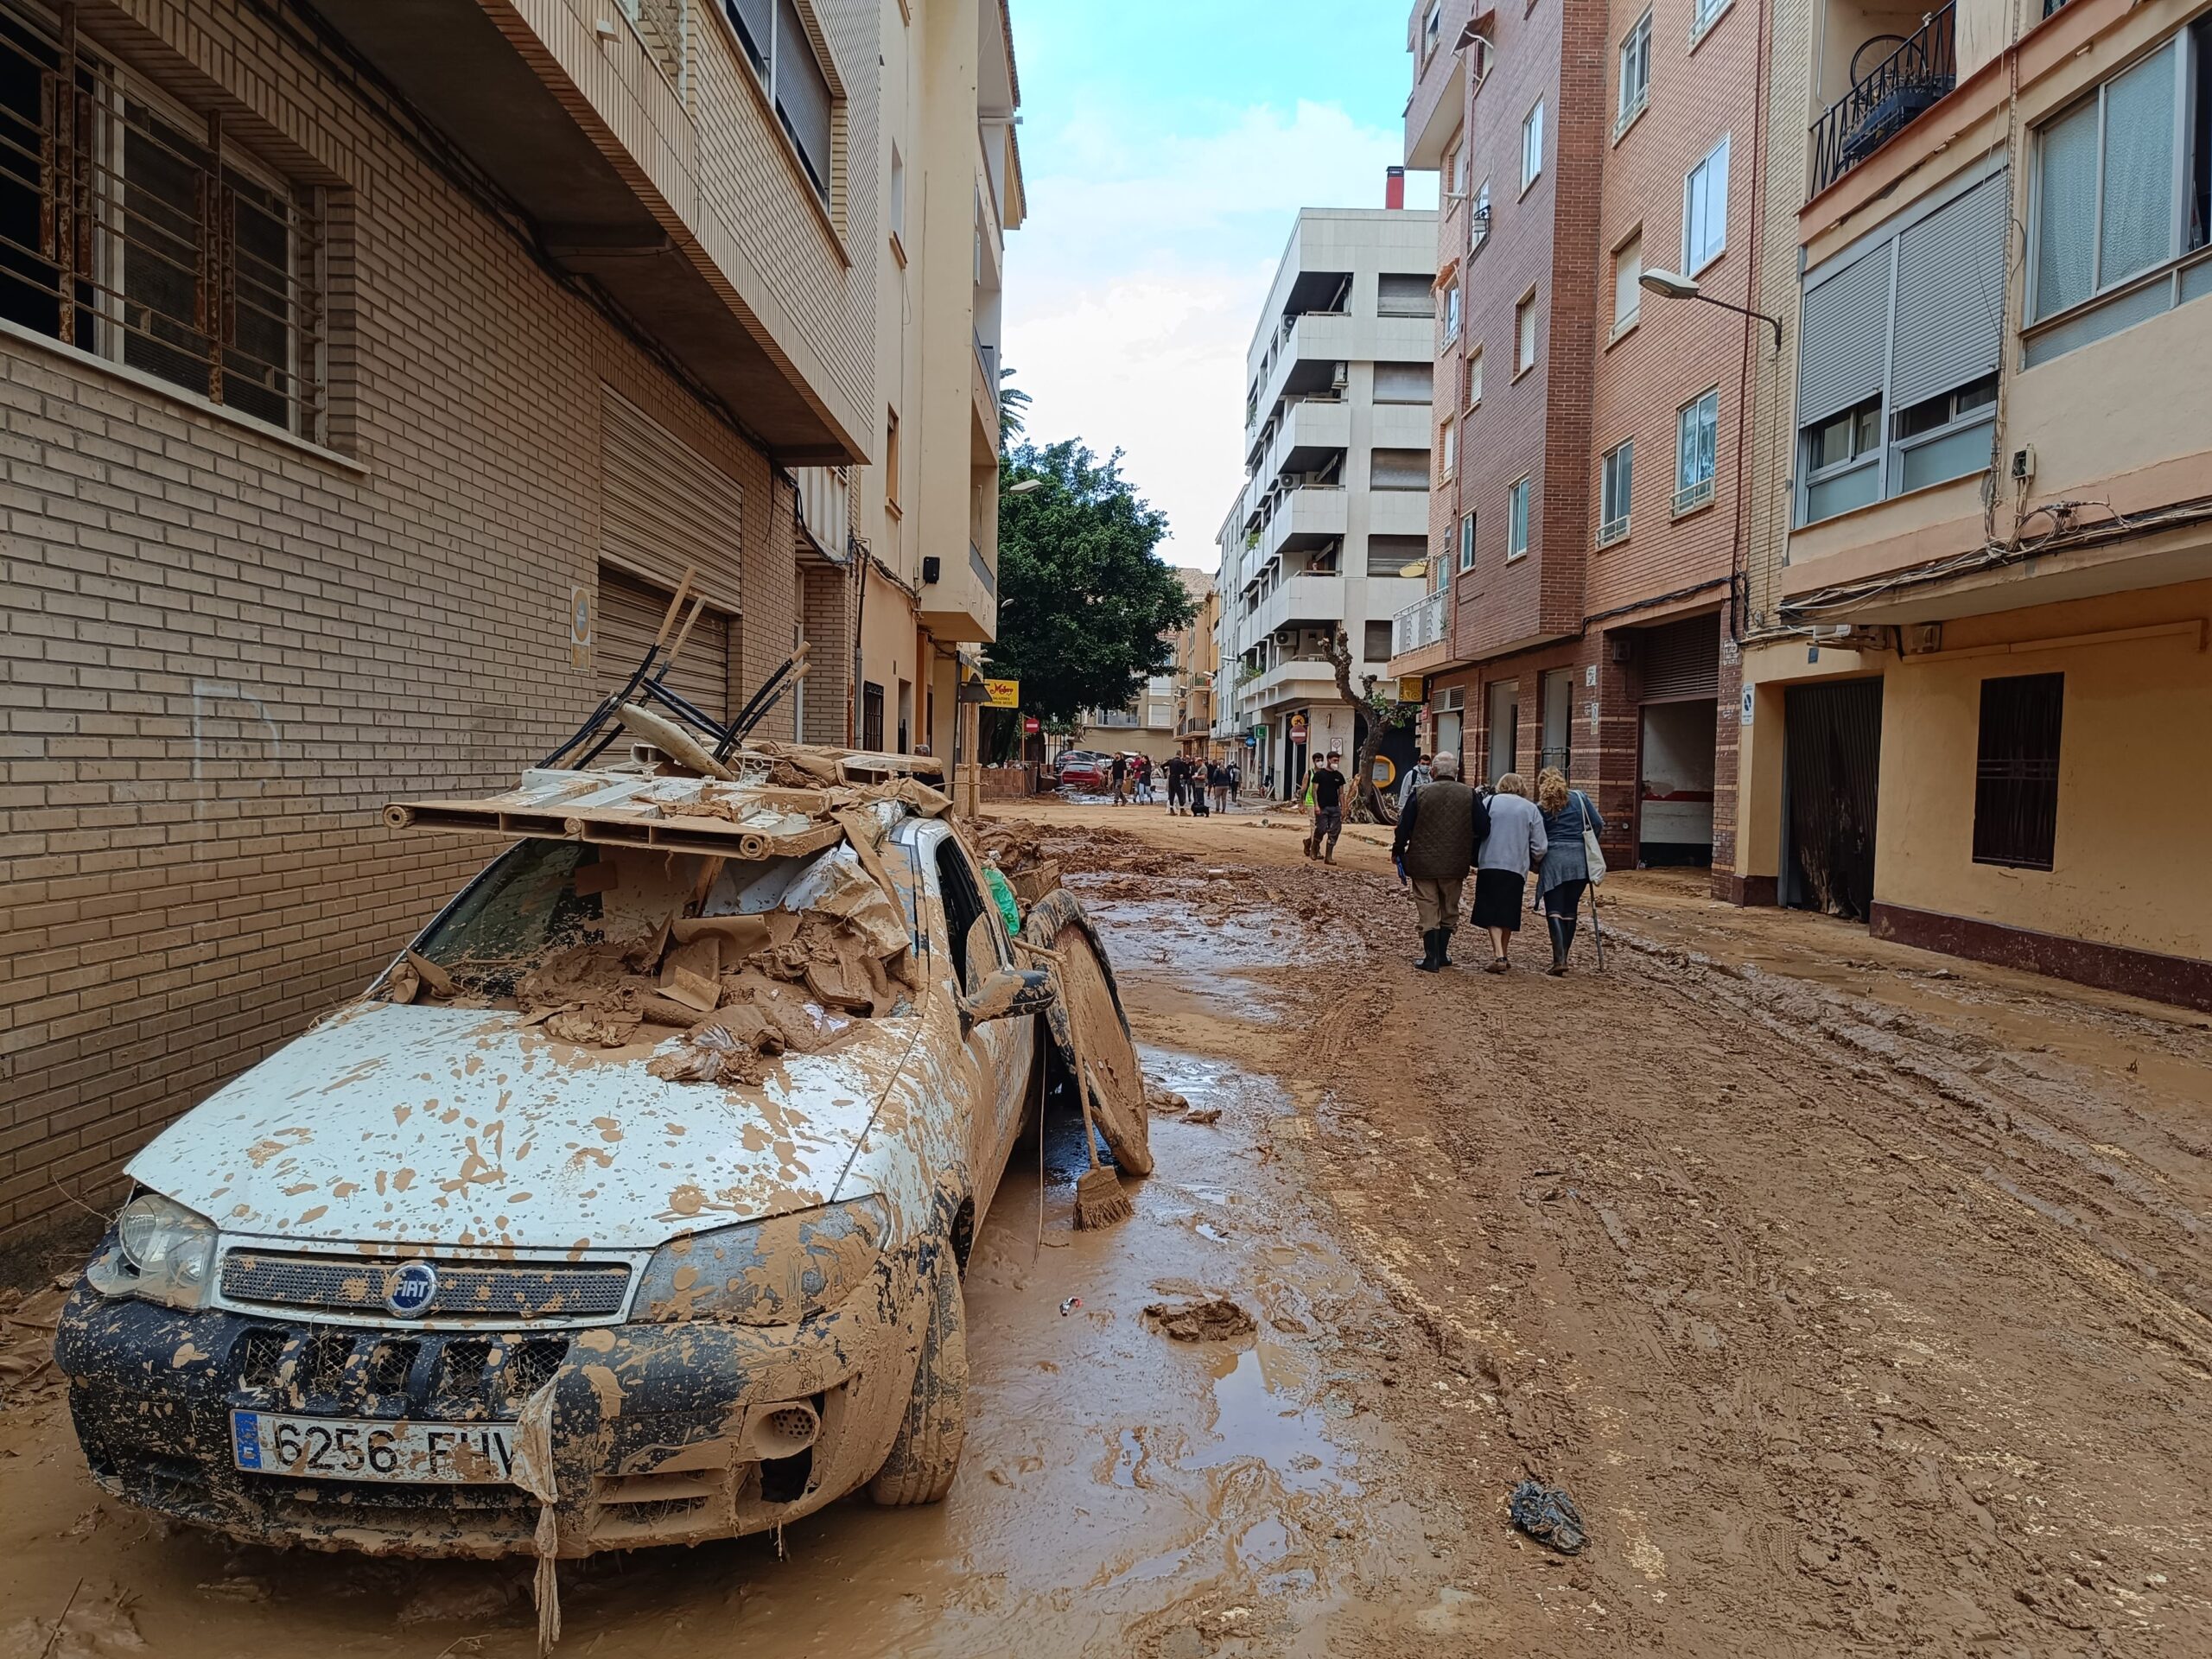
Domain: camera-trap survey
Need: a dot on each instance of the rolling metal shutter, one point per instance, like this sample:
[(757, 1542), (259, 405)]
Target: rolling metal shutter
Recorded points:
[(1845, 334), (1682, 660), (630, 612), (1950, 314)]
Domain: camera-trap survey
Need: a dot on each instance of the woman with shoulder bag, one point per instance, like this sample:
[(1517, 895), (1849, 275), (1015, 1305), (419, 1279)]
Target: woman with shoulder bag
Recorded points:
[(1572, 827)]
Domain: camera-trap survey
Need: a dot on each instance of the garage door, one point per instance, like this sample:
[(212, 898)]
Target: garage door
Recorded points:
[(630, 612)]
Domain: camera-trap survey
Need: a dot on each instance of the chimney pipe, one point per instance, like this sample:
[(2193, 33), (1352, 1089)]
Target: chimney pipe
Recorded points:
[(1394, 187)]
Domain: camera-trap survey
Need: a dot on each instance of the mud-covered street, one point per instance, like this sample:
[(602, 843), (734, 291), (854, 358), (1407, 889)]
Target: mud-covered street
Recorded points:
[(1860, 1298)]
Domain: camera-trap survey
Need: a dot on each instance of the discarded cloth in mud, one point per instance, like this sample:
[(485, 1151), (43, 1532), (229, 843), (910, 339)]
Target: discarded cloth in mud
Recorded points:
[(1216, 1319), (727, 1046), (1547, 1515), (417, 974), (533, 1471)]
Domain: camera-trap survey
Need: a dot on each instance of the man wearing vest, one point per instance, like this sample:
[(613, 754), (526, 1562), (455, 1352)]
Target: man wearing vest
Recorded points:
[(1441, 828)]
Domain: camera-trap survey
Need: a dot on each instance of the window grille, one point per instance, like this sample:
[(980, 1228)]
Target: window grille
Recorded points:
[(134, 230)]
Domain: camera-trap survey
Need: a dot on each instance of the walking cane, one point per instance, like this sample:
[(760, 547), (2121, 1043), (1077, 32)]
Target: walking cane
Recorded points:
[(1597, 933)]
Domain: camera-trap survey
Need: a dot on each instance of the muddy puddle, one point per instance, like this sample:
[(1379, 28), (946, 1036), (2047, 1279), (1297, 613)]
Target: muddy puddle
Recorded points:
[(1122, 1491)]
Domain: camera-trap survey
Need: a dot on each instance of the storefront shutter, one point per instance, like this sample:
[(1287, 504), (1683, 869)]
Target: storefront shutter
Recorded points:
[(1682, 660), (1951, 295), (1844, 331), (630, 612)]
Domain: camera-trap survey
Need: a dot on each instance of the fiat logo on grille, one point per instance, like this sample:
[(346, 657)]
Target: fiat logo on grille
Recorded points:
[(409, 1291)]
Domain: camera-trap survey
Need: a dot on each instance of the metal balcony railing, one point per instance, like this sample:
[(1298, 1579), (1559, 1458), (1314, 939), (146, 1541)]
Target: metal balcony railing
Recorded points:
[(1888, 99), (1418, 624)]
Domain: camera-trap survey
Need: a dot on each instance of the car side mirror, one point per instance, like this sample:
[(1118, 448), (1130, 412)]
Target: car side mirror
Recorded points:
[(1007, 994)]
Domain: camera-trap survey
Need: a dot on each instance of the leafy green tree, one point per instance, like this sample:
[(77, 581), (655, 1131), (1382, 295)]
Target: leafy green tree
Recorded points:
[(1086, 604)]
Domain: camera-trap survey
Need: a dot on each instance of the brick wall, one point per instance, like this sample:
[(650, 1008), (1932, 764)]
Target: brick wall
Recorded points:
[(1677, 349), (226, 650)]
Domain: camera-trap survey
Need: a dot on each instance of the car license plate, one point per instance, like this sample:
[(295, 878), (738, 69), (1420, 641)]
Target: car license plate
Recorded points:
[(338, 1449)]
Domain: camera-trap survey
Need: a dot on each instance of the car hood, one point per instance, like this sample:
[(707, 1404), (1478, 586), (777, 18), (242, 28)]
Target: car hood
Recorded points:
[(457, 1126)]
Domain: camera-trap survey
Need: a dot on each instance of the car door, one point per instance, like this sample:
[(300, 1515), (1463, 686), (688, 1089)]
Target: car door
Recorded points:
[(1004, 1048)]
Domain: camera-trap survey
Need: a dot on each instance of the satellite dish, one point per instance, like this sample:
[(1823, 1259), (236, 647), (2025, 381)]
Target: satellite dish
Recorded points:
[(1415, 571)]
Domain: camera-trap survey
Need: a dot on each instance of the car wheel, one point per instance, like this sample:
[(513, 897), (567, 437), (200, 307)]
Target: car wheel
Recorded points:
[(926, 1455)]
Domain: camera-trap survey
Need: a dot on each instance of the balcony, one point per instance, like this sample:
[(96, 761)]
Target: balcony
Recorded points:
[(1307, 599), (1887, 97), (585, 128), (1421, 623), (1295, 678), (1309, 433), (1306, 517)]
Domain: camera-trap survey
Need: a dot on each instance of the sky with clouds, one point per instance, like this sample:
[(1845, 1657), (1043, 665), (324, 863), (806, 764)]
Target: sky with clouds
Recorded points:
[(1167, 146)]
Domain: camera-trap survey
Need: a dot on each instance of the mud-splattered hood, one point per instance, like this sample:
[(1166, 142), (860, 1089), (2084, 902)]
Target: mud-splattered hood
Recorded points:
[(428, 1125)]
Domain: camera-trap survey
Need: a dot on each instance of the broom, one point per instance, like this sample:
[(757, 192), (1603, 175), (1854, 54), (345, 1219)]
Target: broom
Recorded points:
[(1099, 1200)]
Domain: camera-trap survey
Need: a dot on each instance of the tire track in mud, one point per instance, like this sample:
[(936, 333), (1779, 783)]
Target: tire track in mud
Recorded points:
[(1852, 1329)]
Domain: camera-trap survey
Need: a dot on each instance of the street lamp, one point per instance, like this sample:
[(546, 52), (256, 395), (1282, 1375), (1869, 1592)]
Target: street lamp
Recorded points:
[(1672, 285), (1025, 485)]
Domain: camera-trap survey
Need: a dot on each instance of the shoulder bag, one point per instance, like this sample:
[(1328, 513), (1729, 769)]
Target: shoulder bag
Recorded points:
[(1593, 854)]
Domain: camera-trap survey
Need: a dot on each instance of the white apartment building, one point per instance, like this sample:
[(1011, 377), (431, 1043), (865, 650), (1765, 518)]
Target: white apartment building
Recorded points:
[(1335, 499)]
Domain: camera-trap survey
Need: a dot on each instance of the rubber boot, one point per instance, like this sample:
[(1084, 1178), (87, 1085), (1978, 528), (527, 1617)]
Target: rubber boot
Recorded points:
[(1566, 931), (1443, 947), (1432, 952), (1559, 946)]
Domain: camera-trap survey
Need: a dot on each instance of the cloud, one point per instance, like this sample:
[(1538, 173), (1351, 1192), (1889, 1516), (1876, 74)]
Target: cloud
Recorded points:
[(1134, 288)]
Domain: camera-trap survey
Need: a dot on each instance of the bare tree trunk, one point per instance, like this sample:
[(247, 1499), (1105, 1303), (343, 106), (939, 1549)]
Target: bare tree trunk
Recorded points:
[(1369, 804)]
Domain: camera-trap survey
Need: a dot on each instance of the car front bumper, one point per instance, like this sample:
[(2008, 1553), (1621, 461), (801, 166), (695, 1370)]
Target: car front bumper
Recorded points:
[(657, 1429)]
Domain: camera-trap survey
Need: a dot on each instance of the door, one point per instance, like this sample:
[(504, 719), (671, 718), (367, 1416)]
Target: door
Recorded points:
[(1505, 727), (1678, 666), (1557, 693), (1004, 1048), (1832, 773)]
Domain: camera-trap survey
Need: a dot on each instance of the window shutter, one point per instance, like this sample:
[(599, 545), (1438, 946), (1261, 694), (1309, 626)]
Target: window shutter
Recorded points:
[(1400, 295), (1402, 383), (753, 21), (802, 92), (1950, 320), (2066, 211), (1682, 660), (1845, 327)]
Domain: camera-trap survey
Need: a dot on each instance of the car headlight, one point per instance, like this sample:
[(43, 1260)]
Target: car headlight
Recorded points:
[(163, 1252), (773, 1272)]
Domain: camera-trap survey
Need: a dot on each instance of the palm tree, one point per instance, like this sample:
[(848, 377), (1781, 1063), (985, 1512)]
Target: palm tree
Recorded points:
[(1012, 401)]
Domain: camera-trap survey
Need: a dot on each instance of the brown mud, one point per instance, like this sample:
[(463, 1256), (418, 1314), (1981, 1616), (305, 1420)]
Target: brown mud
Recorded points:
[(1859, 1298)]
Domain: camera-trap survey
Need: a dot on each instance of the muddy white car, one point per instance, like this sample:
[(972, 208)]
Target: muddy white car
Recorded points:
[(636, 1193)]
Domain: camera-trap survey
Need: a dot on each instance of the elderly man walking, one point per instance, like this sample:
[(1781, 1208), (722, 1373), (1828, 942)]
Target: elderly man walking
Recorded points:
[(1440, 829)]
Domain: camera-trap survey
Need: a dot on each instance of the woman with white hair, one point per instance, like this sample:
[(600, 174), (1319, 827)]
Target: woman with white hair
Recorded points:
[(1515, 846)]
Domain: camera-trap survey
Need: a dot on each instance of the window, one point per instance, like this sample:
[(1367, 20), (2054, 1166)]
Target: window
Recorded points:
[(1524, 333), (2123, 184), (1945, 436), (1702, 14), (1613, 492), (1628, 267), (1378, 641), (1450, 300), (1705, 211), (1479, 219), (1635, 72), (1900, 352), (1403, 383), (1842, 461), (191, 261), (891, 459), (1399, 469), (1467, 541), (2016, 772), (897, 212), (1517, 519), (1455, 169), (1405, 293), (776, 42), (1432, 29), (1474, 372), (871, 716), (1447, 450), (1532, 145), (1697, 427)]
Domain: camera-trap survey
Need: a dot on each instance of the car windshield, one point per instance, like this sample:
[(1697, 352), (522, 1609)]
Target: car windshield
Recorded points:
[(542, 899)]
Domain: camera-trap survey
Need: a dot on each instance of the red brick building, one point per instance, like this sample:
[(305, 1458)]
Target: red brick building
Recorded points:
[(1588, 509)]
